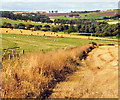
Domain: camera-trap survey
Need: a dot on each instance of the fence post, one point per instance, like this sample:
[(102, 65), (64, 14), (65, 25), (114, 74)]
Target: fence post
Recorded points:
[(9, 56), (23, 51)]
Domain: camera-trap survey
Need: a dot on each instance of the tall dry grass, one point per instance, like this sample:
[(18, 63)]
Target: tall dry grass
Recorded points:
[(35, 74)]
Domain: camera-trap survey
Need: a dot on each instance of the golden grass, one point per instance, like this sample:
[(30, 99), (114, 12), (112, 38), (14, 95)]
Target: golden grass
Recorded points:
[(36, 73)]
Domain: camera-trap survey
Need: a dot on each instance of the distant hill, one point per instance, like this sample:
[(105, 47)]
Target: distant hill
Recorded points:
[(57, 14), (106, 13)]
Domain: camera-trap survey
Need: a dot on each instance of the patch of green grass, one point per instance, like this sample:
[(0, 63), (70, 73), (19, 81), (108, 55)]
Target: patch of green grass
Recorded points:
[(13, 22), (40, 43), (82, 16)]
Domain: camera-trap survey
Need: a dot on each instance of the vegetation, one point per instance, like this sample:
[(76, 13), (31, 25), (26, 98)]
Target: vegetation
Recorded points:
[(35, 17), (45, 70), (68, 26), (39, 43)]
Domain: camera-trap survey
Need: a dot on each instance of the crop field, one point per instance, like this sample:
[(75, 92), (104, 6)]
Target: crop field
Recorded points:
[(39, 43), (51, 34), (107, 13), (35, 74), (58, 62), (17, 22), (92, 15)]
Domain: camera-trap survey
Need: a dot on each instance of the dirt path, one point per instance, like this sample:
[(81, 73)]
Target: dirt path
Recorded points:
[(97, 77)]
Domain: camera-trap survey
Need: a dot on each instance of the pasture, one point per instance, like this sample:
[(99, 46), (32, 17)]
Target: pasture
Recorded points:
[(31, 43), (90, 15), (39, 43), (18, 21)]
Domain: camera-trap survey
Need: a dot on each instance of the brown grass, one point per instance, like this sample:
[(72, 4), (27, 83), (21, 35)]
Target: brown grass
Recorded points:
[(36, 73)]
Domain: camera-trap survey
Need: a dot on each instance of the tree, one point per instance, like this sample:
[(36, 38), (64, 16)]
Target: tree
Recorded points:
[(21, 26), (47, 26), (16, 26), (71, 29), (61, 28), (56, 11)]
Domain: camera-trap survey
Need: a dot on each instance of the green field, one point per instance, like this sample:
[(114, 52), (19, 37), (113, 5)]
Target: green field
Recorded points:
[(39, 43), (17, 22), (82, 16)]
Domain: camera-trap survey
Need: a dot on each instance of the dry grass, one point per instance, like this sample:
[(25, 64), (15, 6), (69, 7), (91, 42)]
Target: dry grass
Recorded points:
[(36, 73)]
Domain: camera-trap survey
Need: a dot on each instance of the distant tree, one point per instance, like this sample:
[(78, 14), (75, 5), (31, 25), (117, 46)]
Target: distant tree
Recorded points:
[(47, 26), (8, 25), (71, 29), (61, 28), (21, 26), (56, 11), (16, 26)]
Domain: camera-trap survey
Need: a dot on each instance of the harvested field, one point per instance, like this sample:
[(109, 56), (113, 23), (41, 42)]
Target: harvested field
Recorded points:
[(41, 33), (97, 77), (58, 14), (107, 13)]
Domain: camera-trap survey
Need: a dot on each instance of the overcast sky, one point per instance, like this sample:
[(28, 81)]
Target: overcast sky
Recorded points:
[(60, 5), (59, 0)]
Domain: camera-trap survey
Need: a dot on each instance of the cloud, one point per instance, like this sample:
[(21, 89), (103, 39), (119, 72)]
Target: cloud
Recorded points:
[(60, 6), (59, 0)]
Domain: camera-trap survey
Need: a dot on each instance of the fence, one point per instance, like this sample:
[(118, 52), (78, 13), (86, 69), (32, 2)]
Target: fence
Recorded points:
[(11, 53)]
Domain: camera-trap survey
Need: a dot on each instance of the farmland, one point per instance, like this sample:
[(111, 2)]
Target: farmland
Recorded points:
[(18, 21), (107, 13), (92, 15), (39, 43), (67, 63), (49, 68)]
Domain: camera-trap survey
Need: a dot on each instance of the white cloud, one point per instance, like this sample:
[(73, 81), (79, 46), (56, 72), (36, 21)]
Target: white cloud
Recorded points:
[(59, 0)]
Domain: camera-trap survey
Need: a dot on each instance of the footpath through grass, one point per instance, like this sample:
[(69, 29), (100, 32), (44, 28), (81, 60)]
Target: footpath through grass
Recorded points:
[(41, 43)]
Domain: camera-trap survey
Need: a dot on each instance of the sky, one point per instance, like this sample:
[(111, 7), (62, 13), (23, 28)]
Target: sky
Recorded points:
[(60, 5)]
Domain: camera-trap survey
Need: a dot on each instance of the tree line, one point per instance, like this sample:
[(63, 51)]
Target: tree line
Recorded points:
[(62, 25), (26, 17), (97, 29)]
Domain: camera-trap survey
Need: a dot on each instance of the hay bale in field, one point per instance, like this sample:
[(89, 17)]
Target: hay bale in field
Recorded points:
[(61, 36), (20, 31), (101, 44), (37, 33)]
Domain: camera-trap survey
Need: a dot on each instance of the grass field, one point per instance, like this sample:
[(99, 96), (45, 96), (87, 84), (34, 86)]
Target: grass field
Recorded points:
[(82, 16), (38, 43), (17, 22)]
